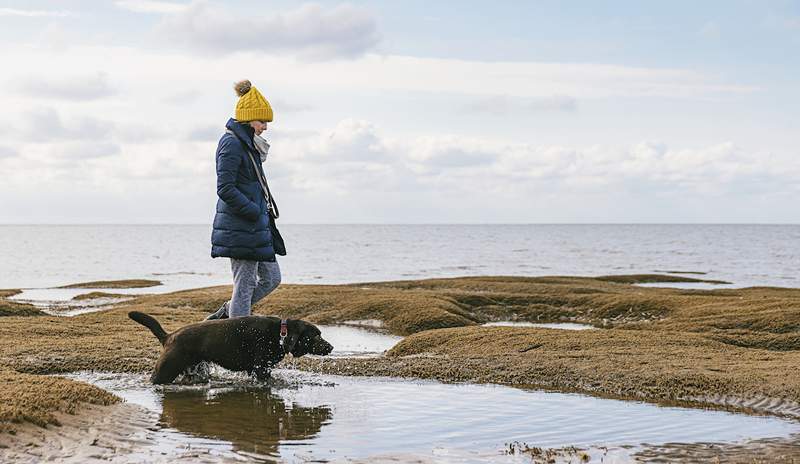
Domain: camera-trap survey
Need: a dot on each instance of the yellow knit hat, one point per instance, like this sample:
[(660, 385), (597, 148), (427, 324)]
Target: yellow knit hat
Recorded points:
[(252, 106)]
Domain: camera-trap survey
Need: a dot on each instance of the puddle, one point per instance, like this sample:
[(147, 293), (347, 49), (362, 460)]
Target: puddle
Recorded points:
[(59, 302), (354, 341), (43, 296), (546, 325), (301, 416), (375, 323)]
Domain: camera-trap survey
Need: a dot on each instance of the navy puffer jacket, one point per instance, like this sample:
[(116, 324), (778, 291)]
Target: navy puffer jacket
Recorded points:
[(241, 228)]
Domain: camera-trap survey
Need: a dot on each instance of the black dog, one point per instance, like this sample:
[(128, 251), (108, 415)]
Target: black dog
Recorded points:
[(253, 344)]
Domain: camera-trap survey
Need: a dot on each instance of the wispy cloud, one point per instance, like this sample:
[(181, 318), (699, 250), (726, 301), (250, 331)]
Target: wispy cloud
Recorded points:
[(311, 31), (419, 177), (34, 13), (7, 152), (505, 104), (151, 6), (46, 124), (87, 150), (87, 87), (354, 147)]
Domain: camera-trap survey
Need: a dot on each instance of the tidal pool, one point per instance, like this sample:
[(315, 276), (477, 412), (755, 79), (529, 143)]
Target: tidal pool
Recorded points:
[(355, 341), (59, 301), (544, 325), (300, 416)]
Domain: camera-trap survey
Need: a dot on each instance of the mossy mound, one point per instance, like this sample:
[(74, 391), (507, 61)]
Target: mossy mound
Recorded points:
[(14, 308), (96, 295), (658, 344), (35, 398), (657, 278), (9, 292)]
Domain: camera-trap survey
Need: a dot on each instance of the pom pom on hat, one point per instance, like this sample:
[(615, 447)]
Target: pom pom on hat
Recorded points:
[(242, 87), (252, 106)]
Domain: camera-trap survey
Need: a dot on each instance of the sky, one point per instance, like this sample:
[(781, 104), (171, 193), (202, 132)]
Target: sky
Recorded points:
[(405, 112)]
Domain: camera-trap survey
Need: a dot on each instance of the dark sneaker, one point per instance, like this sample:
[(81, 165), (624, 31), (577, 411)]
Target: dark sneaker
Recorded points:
[(221, 313)]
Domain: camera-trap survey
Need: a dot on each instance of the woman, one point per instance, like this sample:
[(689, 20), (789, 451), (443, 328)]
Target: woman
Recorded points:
[(244, 228)]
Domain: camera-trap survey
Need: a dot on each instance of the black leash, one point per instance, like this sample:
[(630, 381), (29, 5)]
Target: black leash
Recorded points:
[(272, 205)]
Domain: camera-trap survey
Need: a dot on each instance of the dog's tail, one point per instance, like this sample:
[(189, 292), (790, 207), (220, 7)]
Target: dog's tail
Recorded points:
[(150, 323)]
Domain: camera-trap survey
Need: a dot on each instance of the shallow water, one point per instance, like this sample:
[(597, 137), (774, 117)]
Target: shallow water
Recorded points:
[(544, 325), (59, 302), (45, 296), (355, 341), (302, 416)]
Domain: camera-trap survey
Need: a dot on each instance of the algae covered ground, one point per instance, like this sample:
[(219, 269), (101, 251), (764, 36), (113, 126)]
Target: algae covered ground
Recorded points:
[(734, 348), (13, 308)]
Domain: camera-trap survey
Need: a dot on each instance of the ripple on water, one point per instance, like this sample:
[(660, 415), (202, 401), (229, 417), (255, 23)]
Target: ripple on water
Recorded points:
[(300, 416)]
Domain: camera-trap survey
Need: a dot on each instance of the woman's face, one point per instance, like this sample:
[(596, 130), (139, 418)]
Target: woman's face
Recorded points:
[(258, 126)]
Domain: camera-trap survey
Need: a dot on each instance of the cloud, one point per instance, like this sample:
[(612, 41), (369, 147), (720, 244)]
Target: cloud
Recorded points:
[(432, 177), (210, 132), (355, 157), (433, 155), (87, 87), (7, 152), (150, 6), (310, 31), (505, 104), (87, 150), (47, 124), (350, 140), (185, 97), (289, 107), (548, 85), (34, 13), (141, 133)]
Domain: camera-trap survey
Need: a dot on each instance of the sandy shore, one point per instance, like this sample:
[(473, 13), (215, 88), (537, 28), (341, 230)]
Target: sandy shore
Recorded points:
[(123, 433), (728, 348)]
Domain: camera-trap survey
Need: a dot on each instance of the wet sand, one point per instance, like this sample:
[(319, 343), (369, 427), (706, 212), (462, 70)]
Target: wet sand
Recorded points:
[(730, 348), (116, 433)]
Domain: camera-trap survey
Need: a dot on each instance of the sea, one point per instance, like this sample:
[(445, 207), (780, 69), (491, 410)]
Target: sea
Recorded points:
[(46, 256)]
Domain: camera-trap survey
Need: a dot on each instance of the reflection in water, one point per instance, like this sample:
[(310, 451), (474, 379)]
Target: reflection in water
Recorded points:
[(292, 419), (253, 419)]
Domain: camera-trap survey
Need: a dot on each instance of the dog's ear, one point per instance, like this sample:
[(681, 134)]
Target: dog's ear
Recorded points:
[(296, 329)]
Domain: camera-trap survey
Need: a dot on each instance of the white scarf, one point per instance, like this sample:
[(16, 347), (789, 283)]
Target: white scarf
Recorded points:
[(262, 146)]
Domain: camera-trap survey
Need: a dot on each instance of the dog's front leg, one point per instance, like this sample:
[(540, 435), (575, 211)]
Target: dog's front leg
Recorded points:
[(169, 367), (262, 373)]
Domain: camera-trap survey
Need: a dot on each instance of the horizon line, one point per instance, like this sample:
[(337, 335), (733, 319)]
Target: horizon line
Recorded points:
[(15, 224)]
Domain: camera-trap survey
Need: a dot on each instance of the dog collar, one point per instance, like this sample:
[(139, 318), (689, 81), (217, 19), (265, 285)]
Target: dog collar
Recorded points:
[(284, 330)]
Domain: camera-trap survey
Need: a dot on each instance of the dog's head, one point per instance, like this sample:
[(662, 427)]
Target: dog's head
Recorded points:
[(305, 338)]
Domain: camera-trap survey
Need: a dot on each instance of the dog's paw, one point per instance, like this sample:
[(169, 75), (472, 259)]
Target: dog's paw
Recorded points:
[(199, 373)]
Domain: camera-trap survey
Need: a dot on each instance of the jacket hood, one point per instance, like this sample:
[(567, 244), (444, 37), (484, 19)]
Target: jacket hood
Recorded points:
[(243, 131)]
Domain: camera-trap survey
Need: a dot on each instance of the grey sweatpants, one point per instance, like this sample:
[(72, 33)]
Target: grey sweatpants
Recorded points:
[(252, 281)]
